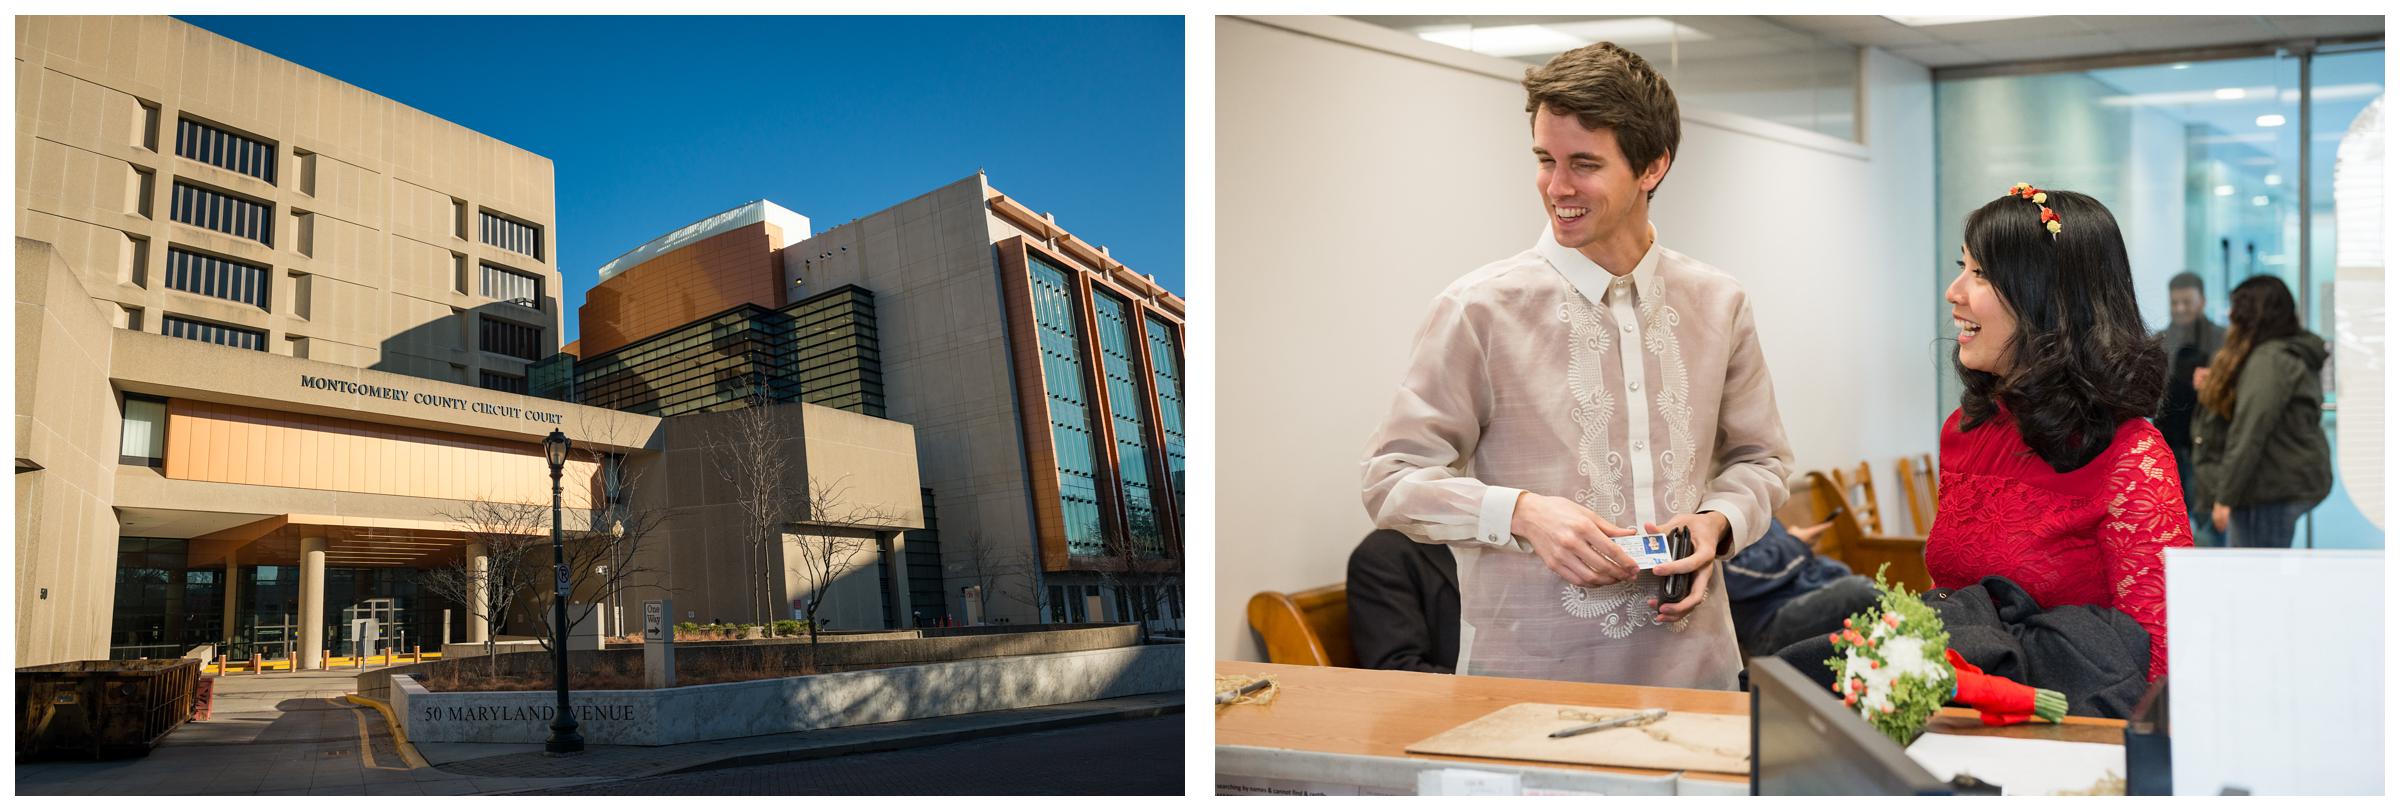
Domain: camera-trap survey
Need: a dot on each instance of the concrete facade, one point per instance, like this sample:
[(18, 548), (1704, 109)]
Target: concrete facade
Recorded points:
[(376, 248), (349, 440), (960, 360), (941, 266), (66, 441)]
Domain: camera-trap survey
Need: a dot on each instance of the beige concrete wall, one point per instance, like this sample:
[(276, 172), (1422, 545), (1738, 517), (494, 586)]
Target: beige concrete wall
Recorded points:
[(174, 367), (697, 550), (66, 442), (854, 600), (941, 332), (367, 248)]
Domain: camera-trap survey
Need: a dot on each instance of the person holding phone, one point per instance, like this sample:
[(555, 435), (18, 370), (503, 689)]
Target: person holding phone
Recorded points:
[(1594, 386)]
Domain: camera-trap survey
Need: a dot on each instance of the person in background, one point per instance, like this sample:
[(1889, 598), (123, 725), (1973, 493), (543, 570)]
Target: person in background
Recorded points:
[(1783, 591), (2190, 340), (1403, 604), (2262, 453)]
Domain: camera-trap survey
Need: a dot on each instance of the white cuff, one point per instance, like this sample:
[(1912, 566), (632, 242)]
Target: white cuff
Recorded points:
[(1498, 514), (1737, 523)]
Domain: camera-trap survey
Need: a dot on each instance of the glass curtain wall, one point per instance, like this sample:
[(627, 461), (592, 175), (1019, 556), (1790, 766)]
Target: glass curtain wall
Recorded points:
[(2201, 164)]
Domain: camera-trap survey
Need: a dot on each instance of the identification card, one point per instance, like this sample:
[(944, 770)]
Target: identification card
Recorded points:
[(1646, 550)]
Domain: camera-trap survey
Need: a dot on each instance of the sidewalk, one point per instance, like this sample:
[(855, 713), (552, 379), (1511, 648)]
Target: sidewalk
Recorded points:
[(526, 761), (278, 734)]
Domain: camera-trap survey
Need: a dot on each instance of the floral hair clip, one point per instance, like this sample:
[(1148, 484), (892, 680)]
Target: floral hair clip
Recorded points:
[(2039, 198)]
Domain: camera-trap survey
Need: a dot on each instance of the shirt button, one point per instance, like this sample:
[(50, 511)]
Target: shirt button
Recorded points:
[(1635, 385), (1637, 444), (1629, 329)]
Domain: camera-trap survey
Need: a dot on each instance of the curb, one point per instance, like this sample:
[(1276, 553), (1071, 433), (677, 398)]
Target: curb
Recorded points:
[(926, 739), (408, 751)]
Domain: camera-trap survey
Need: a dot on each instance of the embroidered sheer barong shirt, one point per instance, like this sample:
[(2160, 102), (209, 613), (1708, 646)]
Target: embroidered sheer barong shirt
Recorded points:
[(1641, 397)]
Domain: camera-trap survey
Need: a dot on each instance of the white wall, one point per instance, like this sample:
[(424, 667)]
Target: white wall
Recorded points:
[(1360, 170)]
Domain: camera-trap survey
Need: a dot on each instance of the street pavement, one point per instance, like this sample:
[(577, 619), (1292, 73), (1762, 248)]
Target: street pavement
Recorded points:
[(283, 734), (1135, 756)]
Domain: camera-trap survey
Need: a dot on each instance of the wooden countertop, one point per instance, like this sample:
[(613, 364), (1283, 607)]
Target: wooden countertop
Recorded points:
[(1381, 712)]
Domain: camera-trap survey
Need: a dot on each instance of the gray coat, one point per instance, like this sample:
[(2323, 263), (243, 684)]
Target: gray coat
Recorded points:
[(2273, 449)]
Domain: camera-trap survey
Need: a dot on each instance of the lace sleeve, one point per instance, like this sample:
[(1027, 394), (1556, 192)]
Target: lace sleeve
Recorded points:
[(2145, 517)]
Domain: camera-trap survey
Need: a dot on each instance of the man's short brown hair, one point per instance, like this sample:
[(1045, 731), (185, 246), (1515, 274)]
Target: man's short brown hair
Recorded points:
[(1608, 87)]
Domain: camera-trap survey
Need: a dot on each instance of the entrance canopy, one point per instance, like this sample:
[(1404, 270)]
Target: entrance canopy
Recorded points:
[(350, 542)]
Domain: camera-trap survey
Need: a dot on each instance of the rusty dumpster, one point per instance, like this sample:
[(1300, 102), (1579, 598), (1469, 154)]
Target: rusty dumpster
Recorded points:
[(102, 709)]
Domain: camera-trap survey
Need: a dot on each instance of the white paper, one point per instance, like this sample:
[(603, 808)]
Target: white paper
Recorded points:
[(2275, 660), (2020, 767), (1468, 783)]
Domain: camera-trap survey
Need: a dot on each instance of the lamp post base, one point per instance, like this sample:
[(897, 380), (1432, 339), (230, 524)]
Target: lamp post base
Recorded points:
[(563, 741)]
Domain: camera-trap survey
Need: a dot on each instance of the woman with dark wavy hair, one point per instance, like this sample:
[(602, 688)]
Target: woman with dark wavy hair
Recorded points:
[(2051, 473), (2263, 460)]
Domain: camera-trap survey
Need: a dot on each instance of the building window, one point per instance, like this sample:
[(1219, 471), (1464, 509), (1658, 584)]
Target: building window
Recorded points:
[(225, 213), (512, 286), (144, 439), (225, 150), (512, 235), (1058, 326), (513, 384), (1129, 414), (219, 278), (163, 609), (833, 355), (511, 339), (220, 334), (1166, 376)]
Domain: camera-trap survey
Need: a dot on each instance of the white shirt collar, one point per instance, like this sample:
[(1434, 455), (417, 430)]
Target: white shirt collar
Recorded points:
[(1592, 280)]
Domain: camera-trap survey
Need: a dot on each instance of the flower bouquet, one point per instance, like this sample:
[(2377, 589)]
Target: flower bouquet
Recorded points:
[(1895, 666)]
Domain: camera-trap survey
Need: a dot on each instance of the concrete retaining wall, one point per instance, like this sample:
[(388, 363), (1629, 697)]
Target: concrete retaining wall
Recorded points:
[(741, 709)]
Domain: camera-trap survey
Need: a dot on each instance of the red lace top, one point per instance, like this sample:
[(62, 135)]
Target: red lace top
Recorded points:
[(2095, 535)]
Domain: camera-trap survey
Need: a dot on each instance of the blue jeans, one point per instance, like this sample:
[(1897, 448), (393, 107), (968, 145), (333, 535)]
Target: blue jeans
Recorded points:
[(2265, 525), (2204, 530)]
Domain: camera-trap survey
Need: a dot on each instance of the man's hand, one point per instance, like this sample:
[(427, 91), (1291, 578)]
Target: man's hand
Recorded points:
[(2220, 515), (2200, 378), (1707, 529), (1572, 541)]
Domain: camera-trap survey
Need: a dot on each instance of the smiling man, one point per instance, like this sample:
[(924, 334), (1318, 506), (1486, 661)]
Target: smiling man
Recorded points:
[(1596, 385)]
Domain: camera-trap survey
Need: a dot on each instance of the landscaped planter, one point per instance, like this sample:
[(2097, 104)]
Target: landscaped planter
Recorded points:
[(800, 703)]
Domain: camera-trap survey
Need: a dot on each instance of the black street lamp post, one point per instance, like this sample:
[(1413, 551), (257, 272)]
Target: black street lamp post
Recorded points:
[(564, 740)]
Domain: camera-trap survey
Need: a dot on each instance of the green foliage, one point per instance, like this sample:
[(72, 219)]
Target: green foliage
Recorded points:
[(1871, 646), (790, 627)]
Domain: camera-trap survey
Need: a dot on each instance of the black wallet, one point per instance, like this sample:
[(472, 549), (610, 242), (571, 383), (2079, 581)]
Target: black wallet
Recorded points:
[(1676, 587)]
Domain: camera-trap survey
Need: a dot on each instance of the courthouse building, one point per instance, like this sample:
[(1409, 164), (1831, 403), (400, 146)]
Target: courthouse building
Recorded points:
[(1043, 376), (273, 336)]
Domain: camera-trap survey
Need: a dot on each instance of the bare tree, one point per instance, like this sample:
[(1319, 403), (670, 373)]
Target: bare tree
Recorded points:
[(1136, 567), (605, 557), (987, 570), (750, 456), (510, 535), (830, 545)]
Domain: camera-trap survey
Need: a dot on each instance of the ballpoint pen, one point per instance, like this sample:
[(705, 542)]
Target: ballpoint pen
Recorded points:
[(1243, 690), (1635, 719)]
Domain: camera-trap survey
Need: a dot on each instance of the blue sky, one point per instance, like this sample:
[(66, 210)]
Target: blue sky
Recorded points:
[(654, 122)]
